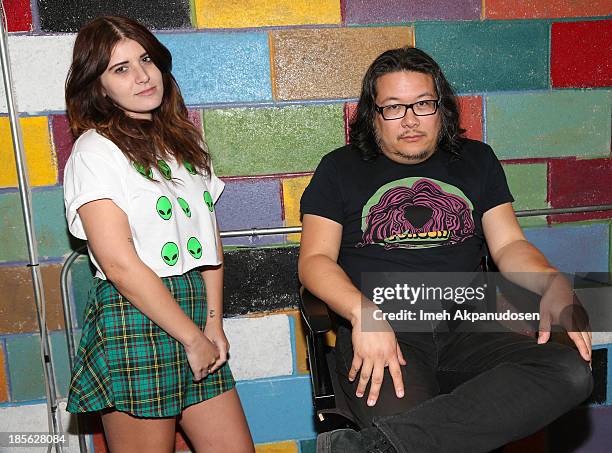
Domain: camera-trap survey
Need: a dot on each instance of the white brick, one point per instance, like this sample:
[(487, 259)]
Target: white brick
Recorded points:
[(259, 347), (39, 68)]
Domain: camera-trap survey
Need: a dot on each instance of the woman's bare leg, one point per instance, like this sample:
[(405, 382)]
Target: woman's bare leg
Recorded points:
[(127, 434)]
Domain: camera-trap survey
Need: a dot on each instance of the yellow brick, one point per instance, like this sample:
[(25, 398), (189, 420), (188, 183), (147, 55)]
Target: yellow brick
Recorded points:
[(292, 193), (265, 13), (300, 343), (40, 158), (277, 447)]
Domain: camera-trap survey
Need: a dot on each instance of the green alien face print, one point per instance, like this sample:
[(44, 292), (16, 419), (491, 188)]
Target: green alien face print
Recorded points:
[(190, 168), (170, 253), (185, 207), (146, 172), (209, 201), (194, 247), (164, 208), (164, 169)]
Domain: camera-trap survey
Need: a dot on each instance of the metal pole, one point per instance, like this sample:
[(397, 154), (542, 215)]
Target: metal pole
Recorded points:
[(54, 421)]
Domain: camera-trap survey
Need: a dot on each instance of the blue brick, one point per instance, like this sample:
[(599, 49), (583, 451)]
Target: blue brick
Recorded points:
[(576, 248), (278, 409), (250, 203), (221, 67), (25, 367), (50, 221)]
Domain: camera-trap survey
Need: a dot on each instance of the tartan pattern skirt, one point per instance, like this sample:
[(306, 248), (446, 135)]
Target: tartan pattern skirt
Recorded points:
[(126, 362)]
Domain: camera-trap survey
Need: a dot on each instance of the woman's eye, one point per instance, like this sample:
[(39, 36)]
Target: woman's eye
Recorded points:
[(146, 59), (120, 69)]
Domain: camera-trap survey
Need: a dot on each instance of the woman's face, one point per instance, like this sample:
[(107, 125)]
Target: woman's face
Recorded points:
[(132, 81)]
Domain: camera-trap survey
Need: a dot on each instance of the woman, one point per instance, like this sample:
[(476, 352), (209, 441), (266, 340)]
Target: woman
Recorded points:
[(140, 188)]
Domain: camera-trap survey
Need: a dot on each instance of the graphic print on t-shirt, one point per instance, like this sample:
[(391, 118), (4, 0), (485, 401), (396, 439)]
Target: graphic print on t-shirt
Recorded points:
[(417, 213)]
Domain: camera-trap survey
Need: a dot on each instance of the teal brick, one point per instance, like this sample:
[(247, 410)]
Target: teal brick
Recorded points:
[(308, 446), (59, 352), (552, 124), (488, 56), (25, 367), (12, 231), (50, 220), (255, 141), (81, 279), (528, 184)]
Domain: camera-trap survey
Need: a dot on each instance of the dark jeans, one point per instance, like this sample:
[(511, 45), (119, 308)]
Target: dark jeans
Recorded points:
[(469, 392)]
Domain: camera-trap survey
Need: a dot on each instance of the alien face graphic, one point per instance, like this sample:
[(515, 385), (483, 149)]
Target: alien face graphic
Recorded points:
[(146, 172), (194, 247), (164, 208), (185, 207), (170, 253), (190, 168), (164, 169), (209, 201)]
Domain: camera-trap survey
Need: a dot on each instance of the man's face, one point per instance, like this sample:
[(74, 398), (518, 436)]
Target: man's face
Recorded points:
[(411, 139)]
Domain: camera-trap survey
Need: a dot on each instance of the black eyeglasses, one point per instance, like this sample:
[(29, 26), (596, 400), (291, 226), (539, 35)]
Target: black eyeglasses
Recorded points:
[(421, 108)]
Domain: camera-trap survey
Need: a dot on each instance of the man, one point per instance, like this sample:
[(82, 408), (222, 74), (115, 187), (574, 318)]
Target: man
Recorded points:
[(410, 194)]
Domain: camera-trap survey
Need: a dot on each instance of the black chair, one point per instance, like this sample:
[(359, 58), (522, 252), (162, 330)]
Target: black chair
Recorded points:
[(330, 404)]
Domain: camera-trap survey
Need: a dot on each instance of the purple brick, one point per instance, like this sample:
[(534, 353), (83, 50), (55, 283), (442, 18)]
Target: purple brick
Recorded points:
[(250, 203), (382, 11), (63, 141)]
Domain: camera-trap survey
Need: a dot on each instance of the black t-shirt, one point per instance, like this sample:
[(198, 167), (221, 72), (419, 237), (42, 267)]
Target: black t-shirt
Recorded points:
[(425, 217)]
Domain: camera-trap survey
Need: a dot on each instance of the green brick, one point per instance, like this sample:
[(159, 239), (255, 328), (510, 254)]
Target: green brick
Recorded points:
[(308, 446), (50, 220), (59, 351), (528, 184), (255, 141), (81, 281), (490, 55), (12, 231), (25, 367), (552, 124)]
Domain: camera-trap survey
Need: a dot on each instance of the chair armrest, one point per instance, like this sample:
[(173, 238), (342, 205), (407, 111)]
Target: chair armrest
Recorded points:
[(315, 313)]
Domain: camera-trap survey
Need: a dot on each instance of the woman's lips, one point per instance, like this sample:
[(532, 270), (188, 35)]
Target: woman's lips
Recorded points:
[(147, 92)]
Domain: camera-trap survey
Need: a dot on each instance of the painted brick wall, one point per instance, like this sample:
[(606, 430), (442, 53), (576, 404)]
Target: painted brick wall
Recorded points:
[(272, 84)]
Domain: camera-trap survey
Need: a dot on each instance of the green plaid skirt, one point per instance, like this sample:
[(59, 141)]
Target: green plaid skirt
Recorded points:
[(125, 361)]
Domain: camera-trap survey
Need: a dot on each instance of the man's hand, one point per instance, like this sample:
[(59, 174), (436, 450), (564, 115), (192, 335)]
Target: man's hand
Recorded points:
[(372, 352), (560, 306)]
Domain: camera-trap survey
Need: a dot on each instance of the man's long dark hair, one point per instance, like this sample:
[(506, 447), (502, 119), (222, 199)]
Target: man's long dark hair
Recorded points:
[(363, 134)]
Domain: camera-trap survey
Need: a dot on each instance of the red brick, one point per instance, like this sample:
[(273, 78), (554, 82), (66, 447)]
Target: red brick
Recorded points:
[(581, 54), (18, 15), (574, 182), (3, 376), (542, 9), (62, 141)]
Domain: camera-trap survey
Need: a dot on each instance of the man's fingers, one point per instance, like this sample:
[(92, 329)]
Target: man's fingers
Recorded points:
[(375, 383), (364, 377), (400, 356), (355, 366), (396, 375)]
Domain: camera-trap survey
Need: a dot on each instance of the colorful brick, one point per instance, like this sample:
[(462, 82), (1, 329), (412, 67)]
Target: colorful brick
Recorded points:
[(49, 219), (261, 346), (349, 112), (293, 188), (12, 230), (18, 311), (287, 446), (247, 204), (581, 54), (81, 281), (542, 9), (255, 141), (61, 367), (328, 63), (551, 124), (470, 109), (40, 158), (252, 13), (488, 56), (39, 66), (4, 384), (230, 67), (18, 15), (25, 367), (62, 142), (385, 11), (61, 16), (574, 248), (308, 446), (289, 399), (580, 183), (528, 186), (301, 359)]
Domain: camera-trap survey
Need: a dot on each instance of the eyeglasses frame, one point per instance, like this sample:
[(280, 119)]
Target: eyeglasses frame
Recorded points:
[(380, 109)]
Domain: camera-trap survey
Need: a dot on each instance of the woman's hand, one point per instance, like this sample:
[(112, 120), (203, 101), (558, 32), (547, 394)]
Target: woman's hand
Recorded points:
[(202, 355), (215, 334)]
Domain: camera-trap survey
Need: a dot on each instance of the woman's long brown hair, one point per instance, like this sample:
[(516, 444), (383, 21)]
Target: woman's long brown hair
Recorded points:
[(170, 132)]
